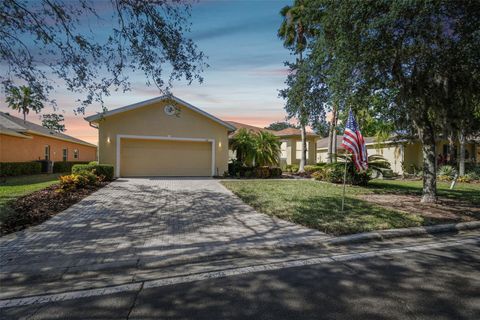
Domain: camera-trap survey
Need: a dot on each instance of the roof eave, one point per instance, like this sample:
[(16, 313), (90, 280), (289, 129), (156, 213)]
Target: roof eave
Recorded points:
[(60, 138), (98, 116)]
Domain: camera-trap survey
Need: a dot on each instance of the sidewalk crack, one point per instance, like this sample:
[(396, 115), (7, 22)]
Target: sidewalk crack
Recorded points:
[(135, 300)]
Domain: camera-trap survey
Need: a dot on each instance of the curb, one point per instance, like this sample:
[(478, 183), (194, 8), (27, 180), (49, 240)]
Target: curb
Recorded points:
[(404, 232)]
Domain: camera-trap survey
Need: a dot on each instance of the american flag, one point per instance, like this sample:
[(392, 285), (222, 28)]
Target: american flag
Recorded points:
[(354, 143)]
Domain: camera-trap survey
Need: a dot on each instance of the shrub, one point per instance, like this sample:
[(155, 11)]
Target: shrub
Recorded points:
[(275, 172), (319, 175), (473, 171), (446, 170), (234, 168), (444, 178), (104, 171), (262, 172), (465, 179), (65, 166), (473, 175), (292, 168), (76, 181), (20, 168), (311, 169), (335, 173), (93, 163)]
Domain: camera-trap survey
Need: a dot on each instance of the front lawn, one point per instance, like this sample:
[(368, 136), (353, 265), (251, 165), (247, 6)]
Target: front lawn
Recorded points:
[(14, 187), (463, 191), (317, 205)]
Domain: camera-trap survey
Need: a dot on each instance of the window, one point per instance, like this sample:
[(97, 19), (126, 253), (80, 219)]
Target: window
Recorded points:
[(47, 152), (75, 154), (298, 149), (283, 150), (65, 154)]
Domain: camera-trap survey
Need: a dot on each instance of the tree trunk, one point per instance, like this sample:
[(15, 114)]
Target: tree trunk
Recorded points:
[(461, 160), (334, 142), (331, 136), (427, 137), (303, 159), (451, 148)]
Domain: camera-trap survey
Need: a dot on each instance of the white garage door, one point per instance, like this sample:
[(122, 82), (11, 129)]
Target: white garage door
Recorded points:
[(140, 158)]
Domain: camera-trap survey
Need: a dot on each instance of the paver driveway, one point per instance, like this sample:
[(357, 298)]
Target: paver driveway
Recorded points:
[(132, 220)]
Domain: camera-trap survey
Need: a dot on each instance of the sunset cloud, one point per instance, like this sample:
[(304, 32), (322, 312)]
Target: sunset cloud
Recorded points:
[(246, 70)]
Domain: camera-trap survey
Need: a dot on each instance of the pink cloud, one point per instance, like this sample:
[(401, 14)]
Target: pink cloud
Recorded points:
[(280, 72)]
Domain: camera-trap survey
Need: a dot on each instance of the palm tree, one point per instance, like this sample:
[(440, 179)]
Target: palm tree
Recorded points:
[(267, 149), (23, 99), (243, 144), (294, 31), (376, 163)]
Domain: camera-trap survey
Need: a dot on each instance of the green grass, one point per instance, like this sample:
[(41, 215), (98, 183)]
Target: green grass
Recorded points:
[(462, 191), (317, 205), (15, 187)]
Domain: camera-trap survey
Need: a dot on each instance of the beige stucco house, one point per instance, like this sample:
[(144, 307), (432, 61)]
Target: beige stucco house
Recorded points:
[(164, 136), (403, 154), (291, 143)]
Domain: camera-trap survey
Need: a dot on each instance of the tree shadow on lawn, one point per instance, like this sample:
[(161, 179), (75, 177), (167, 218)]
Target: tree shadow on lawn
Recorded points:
[(470, 193), (324, 214)]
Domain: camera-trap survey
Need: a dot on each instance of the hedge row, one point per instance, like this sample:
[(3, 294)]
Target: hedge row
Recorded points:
[(236, 169), (20, 168), (66, 166), (105, 170)]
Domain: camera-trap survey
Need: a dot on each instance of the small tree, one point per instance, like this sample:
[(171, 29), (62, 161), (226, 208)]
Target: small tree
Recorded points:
[(23, 99), (53, 122), (267, 149)]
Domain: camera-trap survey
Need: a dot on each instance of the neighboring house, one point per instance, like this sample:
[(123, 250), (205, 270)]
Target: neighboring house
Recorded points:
[(164, 136), (291, 143), (22, 141), (403, 154)]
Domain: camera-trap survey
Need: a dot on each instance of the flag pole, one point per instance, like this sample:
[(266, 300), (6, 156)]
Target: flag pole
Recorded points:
[(344, 181)]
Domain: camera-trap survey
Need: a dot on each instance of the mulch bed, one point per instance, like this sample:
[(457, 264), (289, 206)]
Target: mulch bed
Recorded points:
[(444, 211), (41, 205)]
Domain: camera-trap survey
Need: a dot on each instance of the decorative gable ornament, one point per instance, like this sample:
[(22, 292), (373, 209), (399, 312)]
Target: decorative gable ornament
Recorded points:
[(171, 110)]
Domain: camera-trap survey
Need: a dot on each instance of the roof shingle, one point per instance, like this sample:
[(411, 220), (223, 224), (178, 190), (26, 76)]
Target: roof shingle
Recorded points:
[(11, 123)]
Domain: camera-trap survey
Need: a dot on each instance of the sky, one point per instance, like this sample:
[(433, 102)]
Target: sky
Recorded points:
[(246, 60)]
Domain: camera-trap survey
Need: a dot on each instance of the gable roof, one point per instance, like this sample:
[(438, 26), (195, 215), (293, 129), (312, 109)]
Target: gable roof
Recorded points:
[(141, 104), (281, 133), (239, 126), (14, 126)]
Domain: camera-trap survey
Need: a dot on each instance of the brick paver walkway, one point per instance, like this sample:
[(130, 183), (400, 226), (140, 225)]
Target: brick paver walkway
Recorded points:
[(135, 220)]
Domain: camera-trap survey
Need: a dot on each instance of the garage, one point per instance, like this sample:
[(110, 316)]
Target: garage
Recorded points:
[(163, 136), (161, 157)]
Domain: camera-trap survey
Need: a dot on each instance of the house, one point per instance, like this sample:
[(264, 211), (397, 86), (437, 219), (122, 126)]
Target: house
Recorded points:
[(291, 143), (163, 136), (403, 155), (24, 141)]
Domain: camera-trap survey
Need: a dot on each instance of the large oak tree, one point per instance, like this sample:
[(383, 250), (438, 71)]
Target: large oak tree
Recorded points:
[(91, 47), (419, 53)]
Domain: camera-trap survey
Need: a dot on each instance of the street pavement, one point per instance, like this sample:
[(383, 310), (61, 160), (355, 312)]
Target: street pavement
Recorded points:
[(433, 277)]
